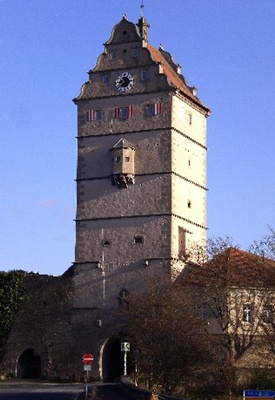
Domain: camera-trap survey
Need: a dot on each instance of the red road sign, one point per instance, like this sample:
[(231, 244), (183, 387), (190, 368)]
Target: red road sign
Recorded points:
[(87, 359)]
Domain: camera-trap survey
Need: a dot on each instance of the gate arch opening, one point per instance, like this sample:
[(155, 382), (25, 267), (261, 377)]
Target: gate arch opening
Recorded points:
[(113, 360), (29, 365)]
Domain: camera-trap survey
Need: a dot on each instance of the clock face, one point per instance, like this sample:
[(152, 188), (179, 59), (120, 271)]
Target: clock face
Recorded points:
[(124, 82)]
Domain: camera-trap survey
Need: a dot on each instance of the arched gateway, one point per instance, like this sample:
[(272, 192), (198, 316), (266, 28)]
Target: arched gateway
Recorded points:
[(113, 361), (29, 365)]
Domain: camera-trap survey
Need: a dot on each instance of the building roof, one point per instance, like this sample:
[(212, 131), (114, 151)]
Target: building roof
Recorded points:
[(233, 267), (174, 77)]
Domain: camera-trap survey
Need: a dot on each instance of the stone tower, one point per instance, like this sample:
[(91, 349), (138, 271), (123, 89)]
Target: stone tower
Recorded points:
[(141, 180)]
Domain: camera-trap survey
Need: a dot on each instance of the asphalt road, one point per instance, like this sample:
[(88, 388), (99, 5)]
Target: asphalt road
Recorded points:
[(31, 390), (25, 390)]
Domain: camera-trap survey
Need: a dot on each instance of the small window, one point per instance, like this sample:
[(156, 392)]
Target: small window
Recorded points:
[(134, 52), (138, 239), (118, 159), (127, 159), (105, 79), (123, 298), (189, 119), (203, 311), (106, 243), (144, 75), (267, 314), (98, 115), (123, 112), (189, 204), (247, 313), (189, 162), (113, 55)]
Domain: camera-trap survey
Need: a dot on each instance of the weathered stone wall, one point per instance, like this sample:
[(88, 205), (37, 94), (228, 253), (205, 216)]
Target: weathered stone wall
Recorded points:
[(44, 325)]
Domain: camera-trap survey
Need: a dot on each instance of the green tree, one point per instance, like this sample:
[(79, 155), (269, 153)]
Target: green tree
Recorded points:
[(11, 295)]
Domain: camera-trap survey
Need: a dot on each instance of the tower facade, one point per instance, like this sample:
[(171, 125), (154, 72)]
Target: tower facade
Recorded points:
[(141, 176)]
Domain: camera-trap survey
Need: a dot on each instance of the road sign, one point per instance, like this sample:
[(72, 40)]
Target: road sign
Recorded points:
[(125, 346), (88, 359), (259, 394), (87, 367)]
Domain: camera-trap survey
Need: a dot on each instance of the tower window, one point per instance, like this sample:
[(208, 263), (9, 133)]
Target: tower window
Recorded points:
[(127, 159), (118, 159), (134, 52), (105, 79), (153, 109), (92, 115), (138, 240), (181, 242), (189, 204), (123, 298), (144, 75), (113, 55), (189, 119), (123, 112), (98, 115)]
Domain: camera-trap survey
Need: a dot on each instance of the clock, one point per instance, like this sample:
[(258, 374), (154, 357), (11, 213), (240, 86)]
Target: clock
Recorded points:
[(124, 82)]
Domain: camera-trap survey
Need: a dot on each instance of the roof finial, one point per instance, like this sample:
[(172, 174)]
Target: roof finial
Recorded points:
[(142, 9)]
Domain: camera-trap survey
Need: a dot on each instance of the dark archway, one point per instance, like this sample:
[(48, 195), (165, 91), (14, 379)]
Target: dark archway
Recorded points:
[(29, 365), (113, 361)]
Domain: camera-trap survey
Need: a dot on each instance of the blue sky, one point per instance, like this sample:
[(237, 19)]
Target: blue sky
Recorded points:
[(226, 49)]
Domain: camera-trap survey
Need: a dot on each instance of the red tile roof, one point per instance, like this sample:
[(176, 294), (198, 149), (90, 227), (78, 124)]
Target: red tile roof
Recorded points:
[(235, 268), (175, 78)]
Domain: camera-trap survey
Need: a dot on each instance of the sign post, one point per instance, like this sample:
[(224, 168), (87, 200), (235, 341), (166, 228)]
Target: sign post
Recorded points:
[(87, 360), (125, 347)]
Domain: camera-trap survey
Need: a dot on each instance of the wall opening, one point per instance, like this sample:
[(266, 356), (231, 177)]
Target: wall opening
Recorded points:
[(113, 360), (29, 365)]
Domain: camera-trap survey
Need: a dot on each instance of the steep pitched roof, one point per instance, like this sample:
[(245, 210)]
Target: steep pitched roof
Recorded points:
[(176, 79)]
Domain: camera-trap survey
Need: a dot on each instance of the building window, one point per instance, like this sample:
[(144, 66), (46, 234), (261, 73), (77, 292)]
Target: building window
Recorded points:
[(189, 119), (118, 159), (105, 79), (189, 204), (203, 311), (138, 240), (106, 243), (144, 75), (92, 115), (247, 312), (153, 109), (123, 112), (127, 159), (267, 314), (181, 242), (134, 52), (123, 298), (98, 115), (113, 55)]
